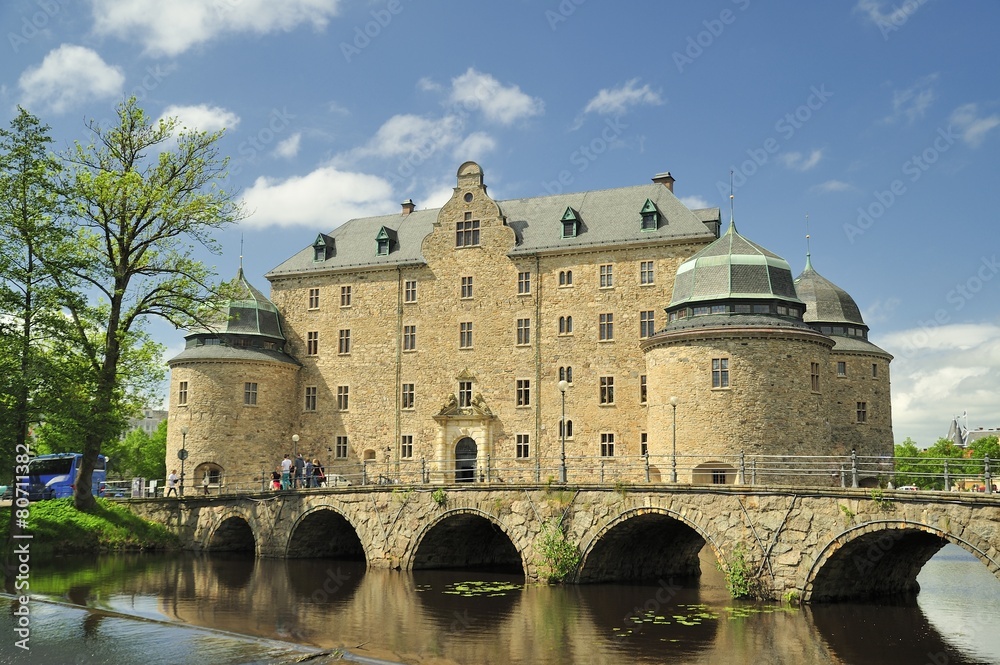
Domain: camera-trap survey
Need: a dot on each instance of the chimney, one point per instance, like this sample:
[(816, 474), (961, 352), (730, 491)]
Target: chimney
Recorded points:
[(664, 179), (408, 206)]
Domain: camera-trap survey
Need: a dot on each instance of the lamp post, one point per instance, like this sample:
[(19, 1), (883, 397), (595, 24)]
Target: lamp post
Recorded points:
[(295, 456), (563, 385), (673, 457), (182, 454)]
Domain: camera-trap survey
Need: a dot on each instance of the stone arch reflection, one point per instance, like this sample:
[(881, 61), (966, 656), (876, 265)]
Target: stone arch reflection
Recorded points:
[(466, 539), (325, 533), (233, 534)]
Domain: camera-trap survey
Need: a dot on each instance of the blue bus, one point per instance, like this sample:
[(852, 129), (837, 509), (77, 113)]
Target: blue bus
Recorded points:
[(53, 476)]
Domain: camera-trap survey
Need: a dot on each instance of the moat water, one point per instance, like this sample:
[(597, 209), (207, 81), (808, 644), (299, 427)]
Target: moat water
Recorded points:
[(227, 610)]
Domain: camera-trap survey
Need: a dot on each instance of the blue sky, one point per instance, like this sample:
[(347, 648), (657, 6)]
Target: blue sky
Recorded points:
[(879, 120)]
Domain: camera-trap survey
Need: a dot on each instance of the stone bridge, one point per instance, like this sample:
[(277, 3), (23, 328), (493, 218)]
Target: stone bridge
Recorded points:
[(818, 544)]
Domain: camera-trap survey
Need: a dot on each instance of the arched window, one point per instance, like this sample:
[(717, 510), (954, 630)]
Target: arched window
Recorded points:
[(569, 429), (565, 325), (566, 374)]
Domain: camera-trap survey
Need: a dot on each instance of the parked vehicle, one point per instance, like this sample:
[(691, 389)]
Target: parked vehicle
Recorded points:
[(336, 480), (54, 476)]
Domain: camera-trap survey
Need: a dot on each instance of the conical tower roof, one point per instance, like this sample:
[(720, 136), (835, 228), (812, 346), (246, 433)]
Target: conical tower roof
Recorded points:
[(248, 312), (826, 303)]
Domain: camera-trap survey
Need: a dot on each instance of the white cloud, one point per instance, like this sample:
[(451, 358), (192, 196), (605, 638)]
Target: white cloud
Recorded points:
[(618, 100), (438, 196), (170, 28), (498, 103), (831, 186), (914, 101), (427, 84), (68, 76), (939, 372), (323, 198), (474, 146), (695, 202), (289, 147), (202, 117), (894, 18), (408, 134), (799, 162), (972, 126)]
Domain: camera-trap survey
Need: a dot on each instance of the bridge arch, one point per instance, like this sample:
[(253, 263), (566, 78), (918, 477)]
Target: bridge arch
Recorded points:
[(883, 558), (229, 531), (466, 538), (645, 544), (324, 531)]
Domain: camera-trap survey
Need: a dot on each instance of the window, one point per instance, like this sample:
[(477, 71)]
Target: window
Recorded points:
[(410, 291), (565, 278), (466, 287), (406, 446), (841, 368), (406, 396), (465, 393), (310, 398), (607, 276), (642, 389), (521, 449), (569, 429), (566, 374), (647, 324), (650, 216), (523, 392), (862, 412), (607, 444), (409, 338), (182, 393), (645, 272), (606, 329), (643, 444), (340, 451), (565, 325), (874, 370), (250, 393), (718, 477), (523, 332), (344, 342), (467, 232), (345, 296), (814, 376), (313, 298), (465, 335), (523, 283), (720, 372), (607, 384), (312, 343), (343, 397)]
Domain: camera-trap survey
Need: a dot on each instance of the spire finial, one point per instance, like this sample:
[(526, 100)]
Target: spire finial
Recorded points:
[(241, 252), (732, 198), (808, 248)]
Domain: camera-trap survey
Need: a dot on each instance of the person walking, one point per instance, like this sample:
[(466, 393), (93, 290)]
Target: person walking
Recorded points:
[(276, 478), (286, 473), (318, 476), (300, 465), (204, 483), (171, 483), (307, 473)]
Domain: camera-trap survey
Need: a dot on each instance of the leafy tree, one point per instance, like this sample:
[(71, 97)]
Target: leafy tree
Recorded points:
[(138, 195), (139, 454)]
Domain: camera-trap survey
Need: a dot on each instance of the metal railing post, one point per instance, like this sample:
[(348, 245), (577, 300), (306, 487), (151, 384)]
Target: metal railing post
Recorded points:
[(843, 476), (488, 468), (854, 469), (742, 479), (986, 474), (947, 480), (423, 470), (646, 456), (602, 472)]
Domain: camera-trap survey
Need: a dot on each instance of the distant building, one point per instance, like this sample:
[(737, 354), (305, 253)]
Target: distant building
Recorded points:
[(962, 436), (442, 336), (150, 420)]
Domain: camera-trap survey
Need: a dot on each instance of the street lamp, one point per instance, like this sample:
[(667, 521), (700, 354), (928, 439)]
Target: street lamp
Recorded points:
[(563, 385), (182, 454), (673, 457), (295, 457), (295, 446)]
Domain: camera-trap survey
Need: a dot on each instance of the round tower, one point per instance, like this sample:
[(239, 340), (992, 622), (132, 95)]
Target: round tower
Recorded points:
[(232, 391), (748, 373), (861, 409)]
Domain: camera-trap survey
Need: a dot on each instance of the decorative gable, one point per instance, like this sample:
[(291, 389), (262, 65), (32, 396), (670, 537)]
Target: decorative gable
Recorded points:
[(384, 241), (570, 223), (650, 216), (323, 248)]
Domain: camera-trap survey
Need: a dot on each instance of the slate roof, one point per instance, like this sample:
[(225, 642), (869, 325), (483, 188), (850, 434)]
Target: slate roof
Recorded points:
[(855, 345), (249, 312), (734, 320), (825, 301), (608, 217), (231, 353)]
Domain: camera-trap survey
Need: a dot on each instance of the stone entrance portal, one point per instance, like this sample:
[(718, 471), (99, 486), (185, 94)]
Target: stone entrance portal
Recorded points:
[(465, 461)]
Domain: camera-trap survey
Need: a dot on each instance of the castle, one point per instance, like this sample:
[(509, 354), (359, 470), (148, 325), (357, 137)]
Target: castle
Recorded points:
[(445, 345)]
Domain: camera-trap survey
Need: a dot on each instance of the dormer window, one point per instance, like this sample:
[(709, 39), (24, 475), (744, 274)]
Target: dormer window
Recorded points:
[(383, 242), (570, 224), (323, 248), (650, 216)]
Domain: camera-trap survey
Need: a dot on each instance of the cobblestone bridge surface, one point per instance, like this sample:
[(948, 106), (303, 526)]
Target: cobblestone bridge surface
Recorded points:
[(818, 544)]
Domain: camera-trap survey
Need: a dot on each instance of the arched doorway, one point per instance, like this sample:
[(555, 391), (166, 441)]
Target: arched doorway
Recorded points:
[(465, 460)]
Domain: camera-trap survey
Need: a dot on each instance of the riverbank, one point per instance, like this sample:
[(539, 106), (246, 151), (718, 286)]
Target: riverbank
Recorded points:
[(57, 528)]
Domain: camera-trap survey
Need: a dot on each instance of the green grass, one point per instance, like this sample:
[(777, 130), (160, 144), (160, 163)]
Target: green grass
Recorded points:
[(59, 528)]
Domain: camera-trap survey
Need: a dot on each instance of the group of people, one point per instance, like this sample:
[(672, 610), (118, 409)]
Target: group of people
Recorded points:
[(298, 473)]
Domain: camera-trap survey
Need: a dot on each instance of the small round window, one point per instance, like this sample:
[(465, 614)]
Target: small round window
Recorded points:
[(468, 197)]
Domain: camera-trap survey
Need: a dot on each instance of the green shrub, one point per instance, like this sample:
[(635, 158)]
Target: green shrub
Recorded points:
[(440, 496), (559, 557)]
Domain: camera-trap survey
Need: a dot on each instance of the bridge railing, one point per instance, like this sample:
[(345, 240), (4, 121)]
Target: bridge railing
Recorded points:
[(753, 470)]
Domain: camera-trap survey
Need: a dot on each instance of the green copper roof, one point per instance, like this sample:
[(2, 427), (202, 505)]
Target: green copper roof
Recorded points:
[(248, 312), (733, 267), (825, 301)]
